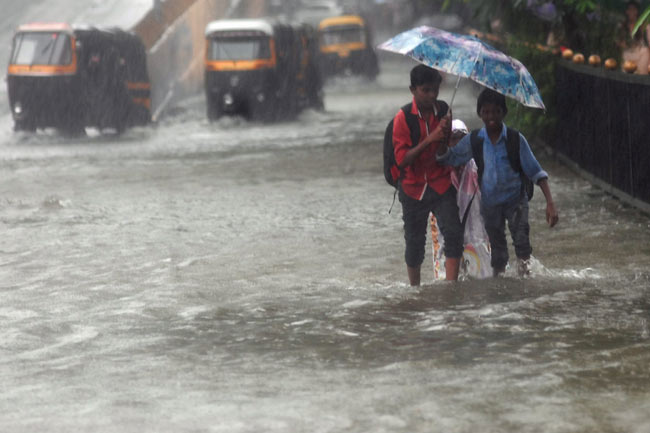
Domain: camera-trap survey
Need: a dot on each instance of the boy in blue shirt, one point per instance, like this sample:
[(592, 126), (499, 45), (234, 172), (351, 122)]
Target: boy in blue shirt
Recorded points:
[(503, 195)]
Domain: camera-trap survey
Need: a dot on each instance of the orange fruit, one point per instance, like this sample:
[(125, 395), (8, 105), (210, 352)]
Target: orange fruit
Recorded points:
[(611, 64), (629, 66), (594, 60)]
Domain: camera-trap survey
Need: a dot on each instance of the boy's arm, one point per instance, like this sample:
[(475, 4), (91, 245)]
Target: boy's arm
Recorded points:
[(534, 171), (551, 211), (443, 146), (439, 134), (455, 155), (401, 138), (529, 163)]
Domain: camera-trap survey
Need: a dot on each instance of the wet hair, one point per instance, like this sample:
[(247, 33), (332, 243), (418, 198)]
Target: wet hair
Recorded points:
[(422, 74), (489, 96)]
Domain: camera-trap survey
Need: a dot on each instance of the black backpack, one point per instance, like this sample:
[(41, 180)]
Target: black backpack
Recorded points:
[(390, 166), (512, 147)]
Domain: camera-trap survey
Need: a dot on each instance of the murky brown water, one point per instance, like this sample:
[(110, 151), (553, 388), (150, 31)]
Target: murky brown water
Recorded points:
[(236, 277)]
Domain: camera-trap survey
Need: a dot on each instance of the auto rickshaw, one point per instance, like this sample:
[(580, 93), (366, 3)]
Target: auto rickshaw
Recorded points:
[(346, 47), (75, 77), (260, 68)]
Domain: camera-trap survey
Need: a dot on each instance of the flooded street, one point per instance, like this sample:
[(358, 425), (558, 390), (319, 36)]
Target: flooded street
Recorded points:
[(240, 277)]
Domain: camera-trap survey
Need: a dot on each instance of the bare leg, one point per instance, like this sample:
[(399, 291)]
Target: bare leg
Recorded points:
[(414, 275), (452, 266)]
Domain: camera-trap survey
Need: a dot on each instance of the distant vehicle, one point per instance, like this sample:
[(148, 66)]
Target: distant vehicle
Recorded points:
[(73, 77), (313, 12), (346, 47), (261, 69)]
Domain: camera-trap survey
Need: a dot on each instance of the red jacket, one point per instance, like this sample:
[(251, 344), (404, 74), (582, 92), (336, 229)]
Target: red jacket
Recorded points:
[(425, 170)]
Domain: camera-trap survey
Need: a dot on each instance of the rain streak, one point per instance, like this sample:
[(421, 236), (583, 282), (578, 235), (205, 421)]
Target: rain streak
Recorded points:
[(215, 271)]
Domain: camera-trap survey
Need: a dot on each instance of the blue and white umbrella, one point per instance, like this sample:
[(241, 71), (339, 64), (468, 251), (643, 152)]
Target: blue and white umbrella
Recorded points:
[(469, 57)]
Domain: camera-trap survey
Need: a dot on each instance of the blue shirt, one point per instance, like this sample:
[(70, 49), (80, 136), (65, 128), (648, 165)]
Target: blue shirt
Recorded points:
[(500, 183)]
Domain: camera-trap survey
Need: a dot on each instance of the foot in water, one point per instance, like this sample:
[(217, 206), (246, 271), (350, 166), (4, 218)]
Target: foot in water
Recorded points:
[(523, 267)]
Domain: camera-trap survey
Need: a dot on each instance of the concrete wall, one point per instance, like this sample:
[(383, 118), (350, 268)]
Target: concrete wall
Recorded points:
[(248, 8), (255, 8), (173, 33)]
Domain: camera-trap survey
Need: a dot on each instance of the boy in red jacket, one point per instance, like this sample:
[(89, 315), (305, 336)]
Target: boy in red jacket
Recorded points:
[(425, 186)]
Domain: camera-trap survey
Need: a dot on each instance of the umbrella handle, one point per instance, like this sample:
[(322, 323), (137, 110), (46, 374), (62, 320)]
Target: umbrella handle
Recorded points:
[(454, 94)]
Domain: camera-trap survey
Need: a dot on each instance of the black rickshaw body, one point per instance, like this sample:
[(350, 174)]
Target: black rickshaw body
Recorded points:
[(253, 68), (75, 77), (346, 47)]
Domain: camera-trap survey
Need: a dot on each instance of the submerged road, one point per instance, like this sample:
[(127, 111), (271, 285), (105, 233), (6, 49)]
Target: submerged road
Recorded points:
[(242, 277)]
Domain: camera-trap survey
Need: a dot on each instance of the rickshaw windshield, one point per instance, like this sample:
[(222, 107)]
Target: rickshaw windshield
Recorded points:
[(342, 35), (41, 48), (239, 48)]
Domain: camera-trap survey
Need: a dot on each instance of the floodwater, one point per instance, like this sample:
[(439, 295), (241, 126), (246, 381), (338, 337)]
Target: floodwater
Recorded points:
[(240, 277)]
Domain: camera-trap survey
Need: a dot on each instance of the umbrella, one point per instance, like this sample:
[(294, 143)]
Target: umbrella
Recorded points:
[(469, 57)]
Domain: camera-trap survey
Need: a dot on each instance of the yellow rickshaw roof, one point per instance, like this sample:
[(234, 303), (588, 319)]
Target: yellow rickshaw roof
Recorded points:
[(341, 21)]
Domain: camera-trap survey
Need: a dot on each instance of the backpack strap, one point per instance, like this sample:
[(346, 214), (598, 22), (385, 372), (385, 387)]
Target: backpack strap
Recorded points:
[(414, 129), (413, 123), (513, 147), (443, 108), (390, 164)]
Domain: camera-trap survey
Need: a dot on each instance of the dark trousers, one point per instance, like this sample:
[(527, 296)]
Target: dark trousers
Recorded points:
[(415, 214), (495, 217)]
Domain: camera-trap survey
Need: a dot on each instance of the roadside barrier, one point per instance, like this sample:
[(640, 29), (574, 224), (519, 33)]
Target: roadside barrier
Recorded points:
[(602, 128)]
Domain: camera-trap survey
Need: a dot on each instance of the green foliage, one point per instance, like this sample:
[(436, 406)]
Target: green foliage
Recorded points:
[(586, 26), (643, 20), (581, 6), (533, 122)]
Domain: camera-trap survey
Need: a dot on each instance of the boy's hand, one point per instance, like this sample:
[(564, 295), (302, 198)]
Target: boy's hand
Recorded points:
[(551, 214), (442, 131), (445, 122)]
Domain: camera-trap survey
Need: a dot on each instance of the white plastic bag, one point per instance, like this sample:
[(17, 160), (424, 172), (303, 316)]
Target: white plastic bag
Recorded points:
[(476, 256)]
